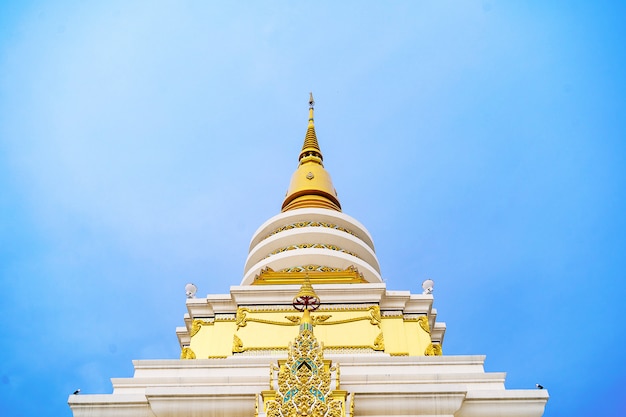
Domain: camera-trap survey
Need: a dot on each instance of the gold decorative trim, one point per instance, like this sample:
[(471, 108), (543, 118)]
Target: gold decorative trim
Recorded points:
[(310, 268), (217, 357), (399, 354), (237, 344), (304, 382), (187, 353), (333, 309), (423, 321), (224, 319), (433, 349), (197, 325), (352, 404), (312, 246), (318, 274), (379, 342), (242, 319), (311, 224), (337, 372), (371, 347)]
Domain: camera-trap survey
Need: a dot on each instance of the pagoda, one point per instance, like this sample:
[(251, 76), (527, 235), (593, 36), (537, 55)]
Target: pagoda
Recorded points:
[(311, 330)]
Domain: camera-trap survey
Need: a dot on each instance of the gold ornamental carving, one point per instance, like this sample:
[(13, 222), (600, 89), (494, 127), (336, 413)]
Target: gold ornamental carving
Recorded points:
[(310, 267), (237, 344), (312, 246), (379, 342), (310, 224), (197, 325), (305, 383), (433, 349), (423, 322), (187, 353), (240, 318)]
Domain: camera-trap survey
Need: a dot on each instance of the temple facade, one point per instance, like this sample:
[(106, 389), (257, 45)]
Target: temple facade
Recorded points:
[(311, 330)]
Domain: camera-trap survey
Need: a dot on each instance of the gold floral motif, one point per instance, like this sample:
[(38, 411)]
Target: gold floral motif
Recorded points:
[(310, 224), (433, 349), (304, 383), (379, 342), (197, 325), (187, 353), (423, 321), (237, 344), (320, 319), (314, 246), (311, 268)]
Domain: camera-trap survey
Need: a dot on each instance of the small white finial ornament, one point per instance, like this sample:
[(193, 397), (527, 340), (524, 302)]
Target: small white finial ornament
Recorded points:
[(427, 286), (190, 290)]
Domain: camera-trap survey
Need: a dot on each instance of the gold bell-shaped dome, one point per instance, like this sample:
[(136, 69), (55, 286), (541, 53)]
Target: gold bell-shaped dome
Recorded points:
[(311, 185)]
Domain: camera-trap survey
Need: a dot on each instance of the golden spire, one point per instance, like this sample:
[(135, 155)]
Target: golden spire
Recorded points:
[(311, 185), (311, 149)]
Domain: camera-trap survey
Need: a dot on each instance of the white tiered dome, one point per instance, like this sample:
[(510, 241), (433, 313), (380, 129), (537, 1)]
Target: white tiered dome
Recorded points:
[(312, 239), (311, 234)]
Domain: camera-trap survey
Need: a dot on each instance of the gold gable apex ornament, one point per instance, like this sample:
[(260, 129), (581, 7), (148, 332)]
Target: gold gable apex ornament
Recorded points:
[(305, 384), (311, 185)]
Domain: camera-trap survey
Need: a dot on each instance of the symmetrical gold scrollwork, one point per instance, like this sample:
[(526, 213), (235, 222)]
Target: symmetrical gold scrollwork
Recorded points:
[(423, 322), (187, 353), (237, 344), (314, 246), (310, 224), (197, 325), (433, 349), (304, 382), (310, 268)]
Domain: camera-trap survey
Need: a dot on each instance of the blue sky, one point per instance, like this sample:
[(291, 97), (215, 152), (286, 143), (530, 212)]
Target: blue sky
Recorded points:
[(482, 143)]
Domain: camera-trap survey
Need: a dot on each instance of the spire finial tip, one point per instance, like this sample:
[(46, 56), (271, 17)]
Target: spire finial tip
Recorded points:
[(311, 101)]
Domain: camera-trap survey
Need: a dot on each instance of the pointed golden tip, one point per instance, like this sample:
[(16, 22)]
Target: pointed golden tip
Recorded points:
[(311, 101)]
